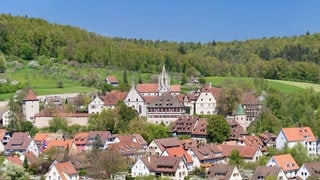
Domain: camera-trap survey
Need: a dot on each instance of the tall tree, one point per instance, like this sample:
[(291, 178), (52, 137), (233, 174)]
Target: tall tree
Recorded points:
[(3, 64), (218, 129)]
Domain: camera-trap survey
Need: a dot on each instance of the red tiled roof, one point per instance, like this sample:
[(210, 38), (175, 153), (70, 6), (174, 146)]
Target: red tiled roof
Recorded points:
[(249, 98), (133, 138), (59, 143), (154, 88), (245, 151), (179, 152), (3, 133), (208, 152), (286, 162), (167, 143), (30, 96), (149, 99), (162, 164), (253, 140), (47, 136), (81, 138), (147, 88), (14, 159), (298, 134), (19, 141), (220, 171), (264, 171), (31, 157), (112, 79), (126, 148), (175, 88), (113, 97), (65, 168)]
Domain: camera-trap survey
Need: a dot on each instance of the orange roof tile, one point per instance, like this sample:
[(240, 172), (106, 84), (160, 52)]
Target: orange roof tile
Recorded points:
[(66, 168), (81, 138), (113, 97), (286, 162), (179, 152), (47, 136), (30, 96), (112, 79), (14, 159), (147, 88), (175, 88), (299, 134), (59, 143)]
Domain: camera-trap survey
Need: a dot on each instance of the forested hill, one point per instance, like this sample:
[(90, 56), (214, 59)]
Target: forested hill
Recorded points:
[(293, 58)]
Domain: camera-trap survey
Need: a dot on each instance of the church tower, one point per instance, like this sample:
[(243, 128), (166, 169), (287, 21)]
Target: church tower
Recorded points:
[(163, 82)]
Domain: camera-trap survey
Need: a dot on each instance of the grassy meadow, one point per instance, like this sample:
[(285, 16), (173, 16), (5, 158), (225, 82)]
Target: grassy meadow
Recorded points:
[(285, 87), (45, 83)]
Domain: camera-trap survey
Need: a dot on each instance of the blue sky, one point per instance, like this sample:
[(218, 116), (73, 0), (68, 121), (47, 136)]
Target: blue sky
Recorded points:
[(177, 20)]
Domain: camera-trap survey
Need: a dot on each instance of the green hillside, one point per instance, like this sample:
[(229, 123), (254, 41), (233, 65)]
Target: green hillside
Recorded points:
[(282, 58)]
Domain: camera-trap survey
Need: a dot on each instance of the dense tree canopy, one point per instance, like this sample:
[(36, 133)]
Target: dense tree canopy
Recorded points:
[(218, 129), (295, 58)]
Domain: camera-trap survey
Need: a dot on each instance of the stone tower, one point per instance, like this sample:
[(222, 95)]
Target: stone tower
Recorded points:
[(30, 105)]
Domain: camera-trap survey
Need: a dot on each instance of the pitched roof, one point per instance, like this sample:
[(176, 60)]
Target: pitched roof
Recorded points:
[(147, 88), (253, 140), (185, 124), (3, 132), (47, 136), (19, 141), (245, 151), (165, 100), (167, 143), (236, 131), (113, 97), (162, 164), (126, 148), (220, 171), (268, 138), (286, 162), (59, 143), (81, 138), (249, 98), (65, 168), (298, 134), (154, 88), (149, 99), (30, 96), (313, 168), (112, 79), (31, 157), (207, 152), (103, 135), (15, 159), (263, 171), (133, 138), (179, 152)]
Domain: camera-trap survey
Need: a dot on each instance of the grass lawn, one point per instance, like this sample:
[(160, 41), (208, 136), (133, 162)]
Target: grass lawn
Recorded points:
[(283, 86)]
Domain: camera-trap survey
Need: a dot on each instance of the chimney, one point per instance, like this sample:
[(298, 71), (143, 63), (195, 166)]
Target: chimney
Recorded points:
[(209, 84), (149, 158)]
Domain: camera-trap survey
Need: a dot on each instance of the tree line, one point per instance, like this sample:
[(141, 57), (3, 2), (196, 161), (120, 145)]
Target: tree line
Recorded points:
[(287, 58)]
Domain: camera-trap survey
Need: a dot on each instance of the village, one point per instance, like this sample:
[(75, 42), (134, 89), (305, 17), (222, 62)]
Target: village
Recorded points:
[(174, 157)]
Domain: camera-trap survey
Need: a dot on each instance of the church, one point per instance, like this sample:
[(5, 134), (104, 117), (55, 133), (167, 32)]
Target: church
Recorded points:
[(158, 102)]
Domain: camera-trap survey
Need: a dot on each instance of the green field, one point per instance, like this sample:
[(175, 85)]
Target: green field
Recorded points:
[(47, 84), (283, 86)]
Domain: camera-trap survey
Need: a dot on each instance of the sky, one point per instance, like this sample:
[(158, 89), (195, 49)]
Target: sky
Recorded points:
[(177, 20)]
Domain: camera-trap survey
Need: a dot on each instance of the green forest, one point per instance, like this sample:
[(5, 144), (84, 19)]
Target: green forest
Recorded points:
[(59, 47), (282, 58)]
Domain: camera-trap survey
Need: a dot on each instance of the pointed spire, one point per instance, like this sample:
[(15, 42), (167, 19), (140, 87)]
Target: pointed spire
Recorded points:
[(164, 70)]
